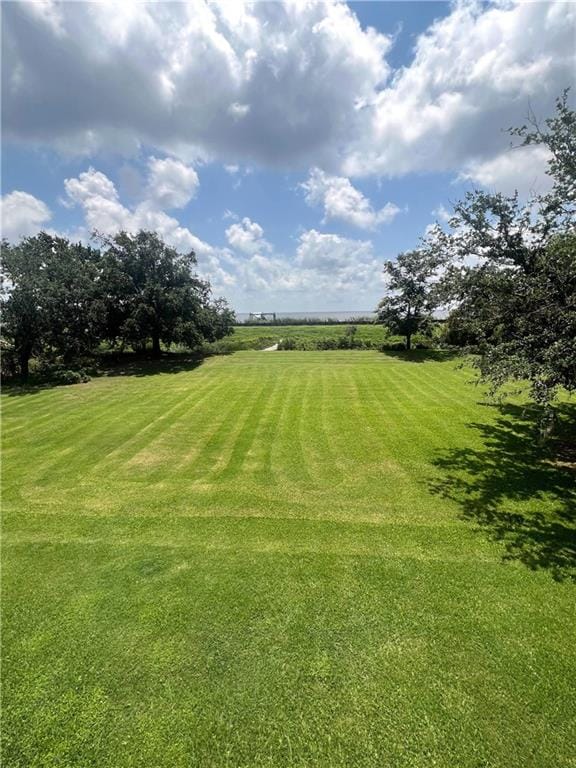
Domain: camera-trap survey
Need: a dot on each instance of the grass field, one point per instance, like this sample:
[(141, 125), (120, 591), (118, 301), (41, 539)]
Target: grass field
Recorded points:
[(260, 336), (370, 332), (284, 560)]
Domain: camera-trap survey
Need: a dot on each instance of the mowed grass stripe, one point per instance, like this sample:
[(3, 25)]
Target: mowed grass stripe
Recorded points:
[(219, 439), (293, 468), (244, 437), (256, 461), (159, 428), (319, 455), (102, 432), (281, 586)]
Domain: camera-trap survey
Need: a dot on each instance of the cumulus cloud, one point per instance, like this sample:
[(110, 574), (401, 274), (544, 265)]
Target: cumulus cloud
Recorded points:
[(341, 200), (326, 265), (327, 252), (171, 183), (291, 84), (22, 214), (474, 73), (441, 213), (103, 211), (285, 79), (322, 264), (522, 168), (271, 275), (247, 236)]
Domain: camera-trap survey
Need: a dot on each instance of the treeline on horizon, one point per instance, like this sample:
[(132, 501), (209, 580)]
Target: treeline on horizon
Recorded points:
[(503, 273), (360, 320)]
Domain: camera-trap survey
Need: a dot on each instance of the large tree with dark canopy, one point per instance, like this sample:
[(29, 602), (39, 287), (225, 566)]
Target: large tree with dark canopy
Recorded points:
[(151, 293), (60, 299), (50, 298)]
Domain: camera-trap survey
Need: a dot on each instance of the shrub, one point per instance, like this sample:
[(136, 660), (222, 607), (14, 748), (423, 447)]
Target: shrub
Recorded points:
[(57, 373), (329, 343), (67, 376)]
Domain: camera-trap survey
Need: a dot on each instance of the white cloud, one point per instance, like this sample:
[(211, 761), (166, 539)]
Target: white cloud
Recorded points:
[(293, 84), (22, 214), (90, 185), (343, 201), (238, 111), (330, 253), (474, 74), (247, 236), (272, 275), (276, 83), (104, 212), (324, 265), (171, 183), (522, 168), (323, 268), (441, 214), (48, 12), (97, 196)]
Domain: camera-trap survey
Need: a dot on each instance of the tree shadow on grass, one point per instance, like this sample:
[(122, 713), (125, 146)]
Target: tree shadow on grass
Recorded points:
[(423, 355), (144, 365), (113, 364), (522, 493)]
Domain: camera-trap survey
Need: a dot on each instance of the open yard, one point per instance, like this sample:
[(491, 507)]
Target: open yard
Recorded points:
[(285, 560)]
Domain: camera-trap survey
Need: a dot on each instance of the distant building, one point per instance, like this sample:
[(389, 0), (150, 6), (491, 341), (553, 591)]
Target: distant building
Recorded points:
[(261, 317)]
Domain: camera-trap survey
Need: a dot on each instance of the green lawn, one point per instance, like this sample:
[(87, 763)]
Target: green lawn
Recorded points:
[(367, 332), (260, 336), (288, 560)]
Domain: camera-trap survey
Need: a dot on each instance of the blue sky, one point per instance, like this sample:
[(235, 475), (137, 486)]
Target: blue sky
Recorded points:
[(294, 146)]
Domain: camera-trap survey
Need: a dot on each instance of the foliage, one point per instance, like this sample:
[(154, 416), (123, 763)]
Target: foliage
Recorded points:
[(51, 300), (306, 337), (558, 135), (61, 300), (66, 376), (350, 339), (151, 293), (407, 308), (510, 273)]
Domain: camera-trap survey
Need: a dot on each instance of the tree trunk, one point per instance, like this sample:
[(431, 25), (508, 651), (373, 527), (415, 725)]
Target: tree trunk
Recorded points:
[(408, 341), (156, 345), (25, 353)]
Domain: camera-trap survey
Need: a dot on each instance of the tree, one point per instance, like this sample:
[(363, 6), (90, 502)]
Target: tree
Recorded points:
[(510, 272), (216, 320), (50, 298), (408, 307), (151, 293), (558, 207)]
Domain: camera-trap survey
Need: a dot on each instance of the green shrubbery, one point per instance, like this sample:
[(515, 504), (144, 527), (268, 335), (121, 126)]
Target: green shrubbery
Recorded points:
[(347, 341), (68, 376)]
